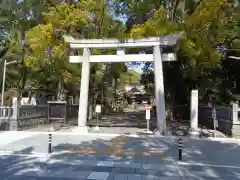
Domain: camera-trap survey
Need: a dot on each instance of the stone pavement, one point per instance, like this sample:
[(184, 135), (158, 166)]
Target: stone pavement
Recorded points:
[(73, 166), (109, 157)]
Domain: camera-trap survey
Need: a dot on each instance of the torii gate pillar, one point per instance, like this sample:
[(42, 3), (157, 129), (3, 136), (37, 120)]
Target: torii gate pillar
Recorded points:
[(159, 89), (84, 89), (157, 57)]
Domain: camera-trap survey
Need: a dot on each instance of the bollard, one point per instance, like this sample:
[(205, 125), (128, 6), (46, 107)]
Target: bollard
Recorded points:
[(50, 143), (180, 146)]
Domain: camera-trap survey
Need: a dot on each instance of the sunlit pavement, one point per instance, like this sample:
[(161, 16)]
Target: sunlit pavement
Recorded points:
[(83, 157)]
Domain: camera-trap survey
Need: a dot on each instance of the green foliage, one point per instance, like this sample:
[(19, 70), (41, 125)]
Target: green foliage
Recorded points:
[(131, 76), (158, 25), (47, 48), (29, 28), (205, 26), (65, 16)]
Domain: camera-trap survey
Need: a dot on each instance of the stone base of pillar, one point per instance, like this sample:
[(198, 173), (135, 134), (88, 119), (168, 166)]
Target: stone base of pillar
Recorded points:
[(194, 132), (148, 132), (13, 125), (80, 129), (96, 128), (159, 132)]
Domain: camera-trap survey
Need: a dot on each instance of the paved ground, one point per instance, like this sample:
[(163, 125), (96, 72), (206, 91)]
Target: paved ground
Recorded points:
[(131, 121), (105, 130), (105, 157)]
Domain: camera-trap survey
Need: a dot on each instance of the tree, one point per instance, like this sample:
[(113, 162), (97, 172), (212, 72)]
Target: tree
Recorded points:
[(16, 18), (197, 55), (88, 19), (47, 48)]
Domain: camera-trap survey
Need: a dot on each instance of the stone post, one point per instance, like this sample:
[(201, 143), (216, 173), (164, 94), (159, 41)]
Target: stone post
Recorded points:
[(13, 123), (235, 120), (194, 113)]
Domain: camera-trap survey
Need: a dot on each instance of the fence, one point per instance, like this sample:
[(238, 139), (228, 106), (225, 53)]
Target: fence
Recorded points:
[(20, 117), (224, 117)]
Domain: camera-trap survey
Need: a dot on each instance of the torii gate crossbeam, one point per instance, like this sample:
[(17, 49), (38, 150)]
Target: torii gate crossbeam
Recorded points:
[(157, 57)]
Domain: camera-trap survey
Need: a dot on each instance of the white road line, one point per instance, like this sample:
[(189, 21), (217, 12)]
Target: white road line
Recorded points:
[(208, 165)]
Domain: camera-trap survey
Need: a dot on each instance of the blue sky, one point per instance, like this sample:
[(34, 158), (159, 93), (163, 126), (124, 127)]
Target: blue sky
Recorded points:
[(138, 68)]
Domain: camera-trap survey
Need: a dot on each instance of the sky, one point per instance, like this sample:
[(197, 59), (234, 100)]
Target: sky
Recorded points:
[(138, 68)]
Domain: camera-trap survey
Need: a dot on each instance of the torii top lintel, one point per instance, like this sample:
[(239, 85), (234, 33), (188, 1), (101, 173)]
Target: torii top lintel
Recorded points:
[(168, 40)]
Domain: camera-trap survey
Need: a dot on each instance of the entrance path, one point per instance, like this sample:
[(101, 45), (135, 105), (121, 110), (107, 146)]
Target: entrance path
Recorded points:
[(113, 157), (128, 118)]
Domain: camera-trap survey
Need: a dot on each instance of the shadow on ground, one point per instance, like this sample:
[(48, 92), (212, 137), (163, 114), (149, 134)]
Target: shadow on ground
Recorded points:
[(124, 119), (219, 160)]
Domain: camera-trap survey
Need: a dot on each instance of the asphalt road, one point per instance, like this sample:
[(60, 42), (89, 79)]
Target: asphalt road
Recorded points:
[(112, 158)]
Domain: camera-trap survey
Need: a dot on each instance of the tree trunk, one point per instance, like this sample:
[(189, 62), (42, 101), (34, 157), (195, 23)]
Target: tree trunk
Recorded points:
[(108, 88), (114, 94)]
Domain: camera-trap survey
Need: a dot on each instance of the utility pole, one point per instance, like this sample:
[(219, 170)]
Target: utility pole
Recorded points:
[(4, 78)]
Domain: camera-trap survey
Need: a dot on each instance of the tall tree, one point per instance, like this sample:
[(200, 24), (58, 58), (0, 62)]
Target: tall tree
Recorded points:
[(203, 22), (88, 19), (16, 18), (47, 47)]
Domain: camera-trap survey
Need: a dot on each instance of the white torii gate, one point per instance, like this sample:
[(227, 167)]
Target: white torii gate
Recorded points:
[(157, 57)]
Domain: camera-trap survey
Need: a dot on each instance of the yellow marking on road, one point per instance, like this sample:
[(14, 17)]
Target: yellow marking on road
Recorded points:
[(118, 152), (116, 147)]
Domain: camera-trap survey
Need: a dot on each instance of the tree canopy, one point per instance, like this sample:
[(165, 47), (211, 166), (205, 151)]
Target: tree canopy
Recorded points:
[(31, 32)]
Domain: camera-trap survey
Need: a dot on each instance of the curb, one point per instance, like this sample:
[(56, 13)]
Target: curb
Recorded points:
[(128, 135)]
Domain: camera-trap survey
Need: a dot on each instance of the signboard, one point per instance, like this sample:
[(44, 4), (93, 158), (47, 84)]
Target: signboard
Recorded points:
[(98, 109), (57, 110), (214, 113), (148, 108)]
